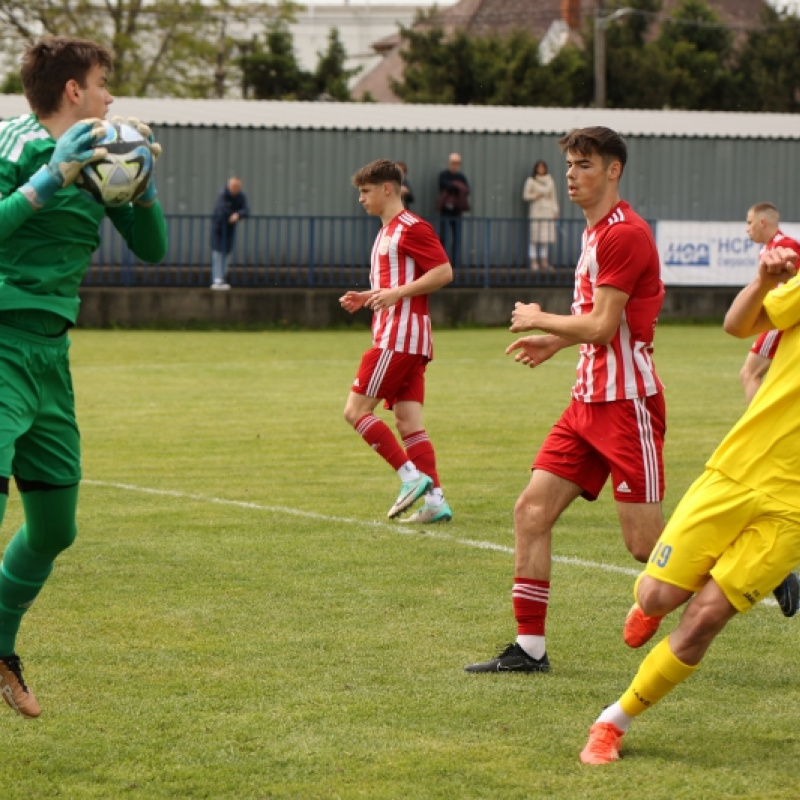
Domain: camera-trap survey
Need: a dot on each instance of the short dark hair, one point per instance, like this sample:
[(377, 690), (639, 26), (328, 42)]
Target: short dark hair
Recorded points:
[(596, 140), (48, 64), (376, 172)]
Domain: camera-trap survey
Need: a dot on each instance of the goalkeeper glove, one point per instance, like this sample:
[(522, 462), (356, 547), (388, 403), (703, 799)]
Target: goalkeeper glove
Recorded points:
[(74, 149), (147, 197)]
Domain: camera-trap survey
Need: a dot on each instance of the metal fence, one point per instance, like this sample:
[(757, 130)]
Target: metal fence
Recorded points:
[(305, 252)]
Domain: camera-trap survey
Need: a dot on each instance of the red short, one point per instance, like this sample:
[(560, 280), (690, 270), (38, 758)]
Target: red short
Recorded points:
[(393, 377), (624, 439), (766, 344)]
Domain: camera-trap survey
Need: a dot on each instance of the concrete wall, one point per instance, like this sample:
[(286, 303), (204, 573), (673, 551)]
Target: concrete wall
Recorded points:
[(319, 308)]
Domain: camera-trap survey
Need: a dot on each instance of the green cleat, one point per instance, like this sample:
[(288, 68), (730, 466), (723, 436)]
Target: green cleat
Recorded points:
[(429, 513), (409, 494)]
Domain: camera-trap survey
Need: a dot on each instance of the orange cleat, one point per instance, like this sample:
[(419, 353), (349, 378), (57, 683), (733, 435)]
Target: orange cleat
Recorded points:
[(639, 628), (13, 689), (603, 744)]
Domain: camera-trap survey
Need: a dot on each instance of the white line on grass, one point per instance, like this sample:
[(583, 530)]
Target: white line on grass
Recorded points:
[(394, 527)]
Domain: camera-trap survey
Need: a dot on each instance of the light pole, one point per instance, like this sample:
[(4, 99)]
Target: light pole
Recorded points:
[(219, 72), (600, 24)]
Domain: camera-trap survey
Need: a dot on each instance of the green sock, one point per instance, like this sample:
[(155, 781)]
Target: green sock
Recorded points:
[(28, 560), (23, 572)]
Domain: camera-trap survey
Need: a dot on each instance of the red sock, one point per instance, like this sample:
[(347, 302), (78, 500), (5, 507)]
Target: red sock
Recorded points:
[(420, 451), (530, 600), (378, 435)]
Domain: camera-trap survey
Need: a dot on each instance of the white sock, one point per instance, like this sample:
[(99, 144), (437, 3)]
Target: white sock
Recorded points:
[(532, 645), (616, 716), (408, 472), (435, 497)]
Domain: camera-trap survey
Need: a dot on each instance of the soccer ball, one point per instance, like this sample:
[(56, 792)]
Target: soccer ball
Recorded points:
[(122, 175)]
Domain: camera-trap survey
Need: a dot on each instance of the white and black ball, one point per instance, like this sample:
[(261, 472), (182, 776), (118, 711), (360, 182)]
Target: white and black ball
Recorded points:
[(122, 176)]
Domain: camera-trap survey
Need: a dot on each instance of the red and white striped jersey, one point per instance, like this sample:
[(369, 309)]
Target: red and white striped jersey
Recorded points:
[(404, 250), (780, 240), (619, 251)]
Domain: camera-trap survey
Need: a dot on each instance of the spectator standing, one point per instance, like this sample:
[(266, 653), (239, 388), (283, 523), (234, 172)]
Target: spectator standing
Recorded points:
[(231, 207), (406, 194), (540, 194), (763, 222), (453, 202)]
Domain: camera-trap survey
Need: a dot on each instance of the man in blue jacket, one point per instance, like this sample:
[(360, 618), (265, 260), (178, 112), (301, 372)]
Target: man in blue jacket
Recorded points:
[(231, 207)]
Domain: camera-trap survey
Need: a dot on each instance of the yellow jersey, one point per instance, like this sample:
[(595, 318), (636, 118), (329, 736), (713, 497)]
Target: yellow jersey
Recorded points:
[(762, 450)]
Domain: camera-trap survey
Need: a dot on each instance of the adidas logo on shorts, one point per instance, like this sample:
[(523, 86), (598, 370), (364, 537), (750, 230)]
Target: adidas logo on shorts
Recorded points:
[(623, 488)]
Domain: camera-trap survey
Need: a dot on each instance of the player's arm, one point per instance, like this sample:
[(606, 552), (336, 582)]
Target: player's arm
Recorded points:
[(748, 315), (73, 150), (143, 228), (15, 209), (142, 224), (596, 327), (427, 283)]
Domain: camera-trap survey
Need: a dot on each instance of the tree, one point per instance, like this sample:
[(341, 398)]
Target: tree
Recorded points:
[(697, 53), (768, 67), (634, 70), (271, 71), (331, 77), (488, 70), (162, 48)]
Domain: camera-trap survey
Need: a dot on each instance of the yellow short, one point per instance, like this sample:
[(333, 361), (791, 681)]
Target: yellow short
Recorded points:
[(746, 540)]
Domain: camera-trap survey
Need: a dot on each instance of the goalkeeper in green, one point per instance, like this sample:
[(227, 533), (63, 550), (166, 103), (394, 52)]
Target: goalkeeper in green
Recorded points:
[(48, 231)]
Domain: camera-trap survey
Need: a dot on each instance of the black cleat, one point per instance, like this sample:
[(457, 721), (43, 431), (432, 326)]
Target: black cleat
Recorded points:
[(512, 659), (788, 594)]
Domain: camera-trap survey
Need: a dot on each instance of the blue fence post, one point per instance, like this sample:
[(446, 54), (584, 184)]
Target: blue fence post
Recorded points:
[(311, 244), (127, 272), (487, 255)]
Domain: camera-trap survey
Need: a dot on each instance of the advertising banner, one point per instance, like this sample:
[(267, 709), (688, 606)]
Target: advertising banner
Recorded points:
[(709, 253)]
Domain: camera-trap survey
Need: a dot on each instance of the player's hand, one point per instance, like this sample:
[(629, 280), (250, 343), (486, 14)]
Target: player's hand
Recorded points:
[(144, 130), (352, 301), (383, 298), (524, 317), (777, 266), (74, 149), (534, 350)]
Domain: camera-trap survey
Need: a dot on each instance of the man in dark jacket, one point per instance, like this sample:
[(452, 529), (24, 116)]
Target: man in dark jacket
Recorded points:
[(453, 202), (231, 207)]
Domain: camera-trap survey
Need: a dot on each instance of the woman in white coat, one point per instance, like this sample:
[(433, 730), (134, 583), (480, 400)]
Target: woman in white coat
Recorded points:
[(540, 194)]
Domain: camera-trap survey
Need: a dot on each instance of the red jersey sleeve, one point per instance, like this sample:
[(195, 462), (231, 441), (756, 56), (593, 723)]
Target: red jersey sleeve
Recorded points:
[(624, 257), (423, 245), (791, 244)]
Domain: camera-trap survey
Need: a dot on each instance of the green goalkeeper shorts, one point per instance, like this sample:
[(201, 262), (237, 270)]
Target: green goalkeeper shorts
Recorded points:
[(39, 437)]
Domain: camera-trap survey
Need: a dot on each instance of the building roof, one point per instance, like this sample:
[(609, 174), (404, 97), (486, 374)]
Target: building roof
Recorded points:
[(408, 117), (484, 17)]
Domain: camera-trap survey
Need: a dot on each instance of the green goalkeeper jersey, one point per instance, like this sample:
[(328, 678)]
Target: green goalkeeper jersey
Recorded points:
[(45, 253)]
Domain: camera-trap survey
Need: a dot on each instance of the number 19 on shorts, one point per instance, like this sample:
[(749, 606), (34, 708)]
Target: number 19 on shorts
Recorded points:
[(660, 555)]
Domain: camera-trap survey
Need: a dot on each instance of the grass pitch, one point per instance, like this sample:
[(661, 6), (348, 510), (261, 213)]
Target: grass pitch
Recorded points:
[(238, 619)]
